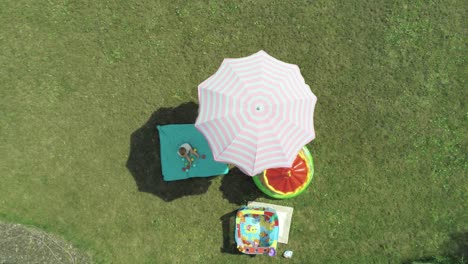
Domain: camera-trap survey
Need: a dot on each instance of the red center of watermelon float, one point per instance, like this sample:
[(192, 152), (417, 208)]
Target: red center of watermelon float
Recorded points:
[(288, 180)]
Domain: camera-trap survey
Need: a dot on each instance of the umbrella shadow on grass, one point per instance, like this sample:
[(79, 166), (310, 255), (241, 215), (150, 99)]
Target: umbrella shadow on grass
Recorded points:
[(239, 188), (144, 161)]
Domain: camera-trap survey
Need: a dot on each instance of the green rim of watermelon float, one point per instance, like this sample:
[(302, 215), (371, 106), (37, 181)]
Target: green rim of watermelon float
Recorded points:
[(285, 183)]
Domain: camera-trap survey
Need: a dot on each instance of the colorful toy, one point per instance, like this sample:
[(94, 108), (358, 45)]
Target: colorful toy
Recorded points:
[(257, 230), (285, 183), (187, 165)]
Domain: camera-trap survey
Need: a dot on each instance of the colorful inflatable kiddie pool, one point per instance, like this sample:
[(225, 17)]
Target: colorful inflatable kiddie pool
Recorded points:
[(257, 230), (285, 183)]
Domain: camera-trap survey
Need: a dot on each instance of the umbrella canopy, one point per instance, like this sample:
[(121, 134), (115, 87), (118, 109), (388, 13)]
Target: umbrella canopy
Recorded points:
[(256, 112)]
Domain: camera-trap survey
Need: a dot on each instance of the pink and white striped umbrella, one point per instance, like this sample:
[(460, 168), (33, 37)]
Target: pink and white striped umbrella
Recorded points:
[(256, 112)]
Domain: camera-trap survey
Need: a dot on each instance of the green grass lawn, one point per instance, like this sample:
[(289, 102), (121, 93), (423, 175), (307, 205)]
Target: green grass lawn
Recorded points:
[(83, 83)]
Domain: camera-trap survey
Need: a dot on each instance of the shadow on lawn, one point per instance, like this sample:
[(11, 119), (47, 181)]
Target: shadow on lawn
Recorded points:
[(144, 161), (228, 222), (239, 188), (456, 251)]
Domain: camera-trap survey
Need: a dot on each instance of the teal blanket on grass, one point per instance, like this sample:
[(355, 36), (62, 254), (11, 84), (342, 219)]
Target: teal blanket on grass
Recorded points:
[(173, 166)]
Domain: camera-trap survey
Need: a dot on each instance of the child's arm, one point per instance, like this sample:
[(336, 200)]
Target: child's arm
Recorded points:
[(188, 158), (194, 153)]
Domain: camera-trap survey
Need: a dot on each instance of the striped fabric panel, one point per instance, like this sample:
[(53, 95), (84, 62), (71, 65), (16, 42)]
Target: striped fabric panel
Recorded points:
[(256, 112)]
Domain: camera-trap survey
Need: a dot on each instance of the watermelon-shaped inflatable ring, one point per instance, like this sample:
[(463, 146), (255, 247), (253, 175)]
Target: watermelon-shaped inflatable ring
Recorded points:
[(285, 183)]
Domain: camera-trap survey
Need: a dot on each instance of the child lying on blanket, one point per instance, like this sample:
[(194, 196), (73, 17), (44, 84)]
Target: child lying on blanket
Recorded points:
[(184, 151)]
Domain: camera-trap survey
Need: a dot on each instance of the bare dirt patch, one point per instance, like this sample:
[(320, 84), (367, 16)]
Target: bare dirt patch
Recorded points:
[(21, 244)]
